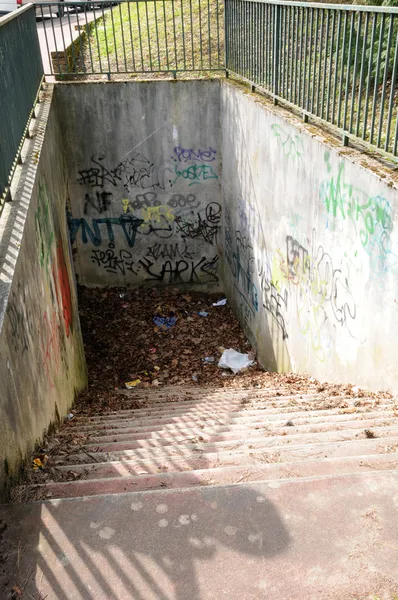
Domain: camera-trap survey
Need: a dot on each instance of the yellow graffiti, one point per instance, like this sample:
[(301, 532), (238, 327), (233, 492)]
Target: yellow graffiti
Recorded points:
[(156, 213), (125, 202)]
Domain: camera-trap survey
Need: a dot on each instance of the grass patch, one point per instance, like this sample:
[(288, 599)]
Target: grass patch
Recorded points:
[(156, 36)]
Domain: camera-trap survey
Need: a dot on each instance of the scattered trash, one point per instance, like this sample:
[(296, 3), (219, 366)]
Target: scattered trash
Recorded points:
[(156, 368), (40, 462), (17, 590), (203, 313), (122, 295), (132, 384), (289, 424), (209, 359), (220, 302), (156, 382), (194, 378), (370, 434), (152, 350), (164, 321), (231, 359), (70, 416), (355, 389), (124, 305)]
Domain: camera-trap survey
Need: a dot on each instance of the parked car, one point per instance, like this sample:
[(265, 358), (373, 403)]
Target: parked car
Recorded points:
[(7, 6)]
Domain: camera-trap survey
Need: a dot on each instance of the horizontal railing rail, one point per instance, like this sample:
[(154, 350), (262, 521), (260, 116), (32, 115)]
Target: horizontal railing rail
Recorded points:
[(335, 63), (133, 36), (21, 74)]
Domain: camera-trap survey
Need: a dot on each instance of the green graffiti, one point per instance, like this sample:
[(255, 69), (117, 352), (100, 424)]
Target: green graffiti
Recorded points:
[(44, 227)]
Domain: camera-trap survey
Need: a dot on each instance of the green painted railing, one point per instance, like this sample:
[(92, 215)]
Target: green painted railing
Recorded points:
[(334, 63), (21, 73)]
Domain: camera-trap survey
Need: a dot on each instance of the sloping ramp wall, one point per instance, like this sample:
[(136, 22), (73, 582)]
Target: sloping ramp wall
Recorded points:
[(42, 363), (311, 246)]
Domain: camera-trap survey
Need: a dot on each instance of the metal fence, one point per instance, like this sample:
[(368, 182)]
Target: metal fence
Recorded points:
[(21, 73), (136, 36), (335, 63)]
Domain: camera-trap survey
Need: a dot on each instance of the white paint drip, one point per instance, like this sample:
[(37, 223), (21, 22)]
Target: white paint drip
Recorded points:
[(162, 508), (260, 499), (94, 525), (163, 523), (194, 517), (136, 506), (229, 530), (184, 519)]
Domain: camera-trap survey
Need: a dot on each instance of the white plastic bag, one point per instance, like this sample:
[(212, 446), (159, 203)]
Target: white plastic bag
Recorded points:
[(231, 359)]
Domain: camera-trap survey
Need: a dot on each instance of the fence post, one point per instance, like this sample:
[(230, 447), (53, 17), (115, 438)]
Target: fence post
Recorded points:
[(276, 50), (226, 33)]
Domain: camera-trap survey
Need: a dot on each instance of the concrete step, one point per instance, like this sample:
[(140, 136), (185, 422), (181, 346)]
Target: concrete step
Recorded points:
[(198, 434), (298, 539), (101, 452), (266, 438), (241, 417), (216, 476), (119, 467), (201, 407), (217, 426)]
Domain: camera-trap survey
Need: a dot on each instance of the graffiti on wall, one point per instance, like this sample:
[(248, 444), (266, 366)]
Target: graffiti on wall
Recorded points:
[(371, 216), (143, 222)]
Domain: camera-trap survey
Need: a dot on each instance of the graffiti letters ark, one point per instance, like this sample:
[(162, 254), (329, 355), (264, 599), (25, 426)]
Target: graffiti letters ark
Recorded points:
[(143, 221)]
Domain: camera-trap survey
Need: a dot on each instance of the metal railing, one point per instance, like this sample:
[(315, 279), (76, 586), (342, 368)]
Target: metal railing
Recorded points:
[(333, 62), (135, 36), (21, 73)]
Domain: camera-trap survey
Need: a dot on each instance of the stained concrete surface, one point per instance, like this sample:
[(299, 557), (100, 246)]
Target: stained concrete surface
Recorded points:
[(313, 539)]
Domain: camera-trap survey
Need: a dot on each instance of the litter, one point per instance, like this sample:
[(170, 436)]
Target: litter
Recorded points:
[(220, 302), (203, 313), (152, 350), (156, 382), (132, 384), (164, 321), (194, 378), (231, 359), (70, 416), (209, 359)]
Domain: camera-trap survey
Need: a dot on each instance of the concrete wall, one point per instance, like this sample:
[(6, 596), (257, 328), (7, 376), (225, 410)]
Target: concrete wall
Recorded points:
[(144, 175), (42, 363), (311, 246)]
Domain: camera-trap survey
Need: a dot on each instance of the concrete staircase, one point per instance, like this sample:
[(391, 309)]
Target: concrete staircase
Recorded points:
[(218, 493), (190, 437)]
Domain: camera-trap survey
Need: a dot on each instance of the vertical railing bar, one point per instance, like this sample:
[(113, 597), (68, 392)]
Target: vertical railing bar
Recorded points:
[(354, 75), (325, 61), (294, 53), (368, 84), (392, 93), (47, 45), (342, 71), (155, 10), (200, 34), (395, 149), (347, 83), (218, 33), (72, 45), (310, 83), (362, 73), (106, 39), (297, 77), (291, 50), (123, 40), (208, 29), (192, 43), (315, 59), (320, 62), (114, 39), (330, 64), (303, 83), (131, 37), (336, 67), (88, 36), (383, 92), (140, 35), (148, 29), (80, 41), (375, 93), (97, 38)]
